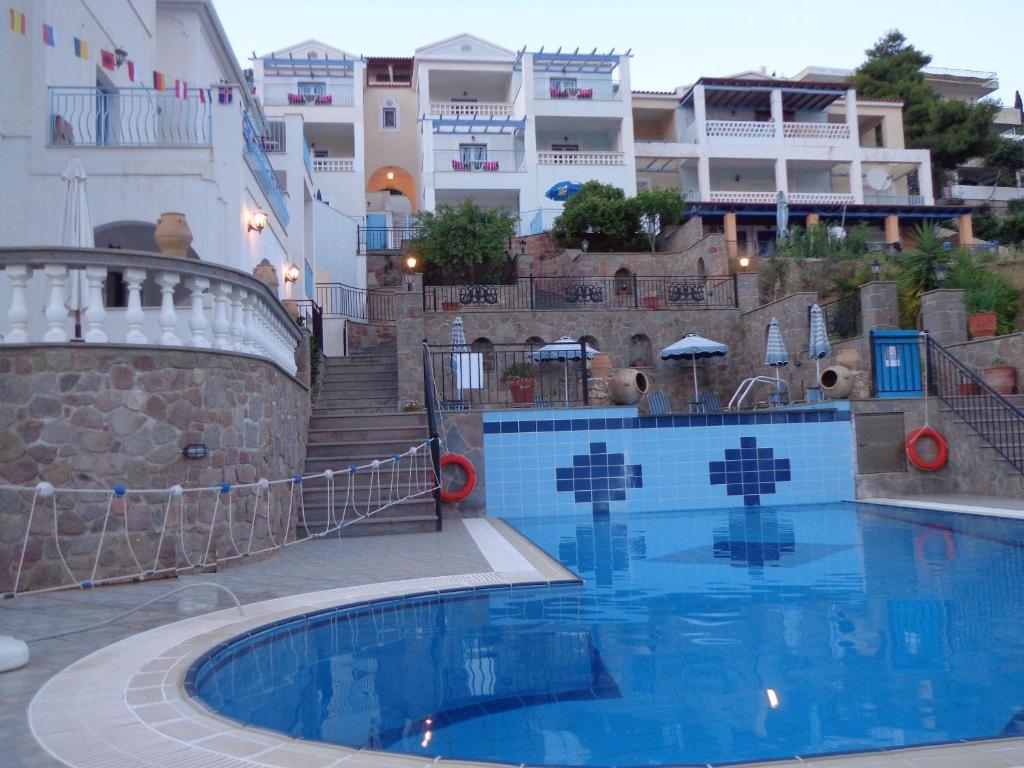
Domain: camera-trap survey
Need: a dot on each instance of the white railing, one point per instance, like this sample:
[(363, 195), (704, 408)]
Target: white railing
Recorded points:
[(743, 197), (334, 164), (333, 95), (129, 117), (489, 161), (274, 137), (576, 89), (820, 131), (580, 158), (823, 198), (894, 199), (978, 192), (739, 129), (470, 109), (168, 301)]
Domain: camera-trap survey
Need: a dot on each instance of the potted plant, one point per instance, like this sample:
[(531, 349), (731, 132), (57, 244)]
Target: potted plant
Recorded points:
[(982, 324), (1001, 376), (447, 305), (518, 377), (651, 302)]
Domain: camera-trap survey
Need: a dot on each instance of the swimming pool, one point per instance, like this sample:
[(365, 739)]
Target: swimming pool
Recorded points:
[(700, 637)]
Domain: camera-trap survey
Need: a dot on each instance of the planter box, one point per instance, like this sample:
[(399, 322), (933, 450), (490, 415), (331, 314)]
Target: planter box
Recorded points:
[(521, 391), (450, 306), (982, 324), (1002, 378)]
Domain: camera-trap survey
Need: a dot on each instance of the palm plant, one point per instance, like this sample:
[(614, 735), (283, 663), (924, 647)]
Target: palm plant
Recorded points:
[(918, 273)]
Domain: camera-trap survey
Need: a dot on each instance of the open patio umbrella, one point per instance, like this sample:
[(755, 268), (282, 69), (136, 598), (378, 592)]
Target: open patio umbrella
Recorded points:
[(818, 346), (563, 190), (563, 350), (775, 353), (781, 216), (76, 232), (691, 347)]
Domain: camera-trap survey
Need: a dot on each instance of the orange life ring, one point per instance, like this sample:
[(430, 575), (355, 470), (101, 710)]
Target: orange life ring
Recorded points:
[(941, 447), (467, 467), (922, 538)]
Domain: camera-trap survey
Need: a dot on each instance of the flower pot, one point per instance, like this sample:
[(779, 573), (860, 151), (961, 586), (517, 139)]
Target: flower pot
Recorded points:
[(1002, 378), (173, 236), (521, 391), (982, 324), (968, 388), (628, 386), (450, 306), (651, 302), (291, 308)]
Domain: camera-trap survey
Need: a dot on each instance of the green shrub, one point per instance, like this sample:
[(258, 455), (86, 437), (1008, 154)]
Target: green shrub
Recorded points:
[(464, 242)]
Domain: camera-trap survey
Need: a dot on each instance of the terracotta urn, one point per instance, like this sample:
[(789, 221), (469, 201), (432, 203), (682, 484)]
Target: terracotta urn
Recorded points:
[(837, 381), (982, 324), (291, 308), (266, 274), (173, 236), (628, 386), (600, 366)]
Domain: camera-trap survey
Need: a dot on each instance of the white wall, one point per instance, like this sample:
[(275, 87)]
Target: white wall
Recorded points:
[(336, 243)]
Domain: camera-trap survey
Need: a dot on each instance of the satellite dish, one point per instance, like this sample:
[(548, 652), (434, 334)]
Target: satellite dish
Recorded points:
[(837, 233), (878, 179)]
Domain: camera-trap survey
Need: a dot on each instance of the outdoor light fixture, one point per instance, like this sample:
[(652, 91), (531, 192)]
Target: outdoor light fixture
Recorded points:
[(876, 269), (940, 273), (410, 264), (291, 273), (195, 451), (744, 262), (522, 247), (584, 245), (120, 55), (391, 175), (257, 221)]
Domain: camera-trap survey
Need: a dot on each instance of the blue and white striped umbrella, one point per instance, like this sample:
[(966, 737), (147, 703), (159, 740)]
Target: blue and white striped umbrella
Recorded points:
[(458, 347), (818, 346), (775, 353), (781, 216)]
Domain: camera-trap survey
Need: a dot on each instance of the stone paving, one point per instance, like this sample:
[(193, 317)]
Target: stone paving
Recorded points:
[(313, 565)]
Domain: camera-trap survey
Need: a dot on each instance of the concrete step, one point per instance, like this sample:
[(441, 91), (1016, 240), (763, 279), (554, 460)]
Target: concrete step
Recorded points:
[(380, 526), (375, 409), (375, 369), (326, 420), (344, 451), (382, 357), (356, 380), (348, 434), (383, 402)]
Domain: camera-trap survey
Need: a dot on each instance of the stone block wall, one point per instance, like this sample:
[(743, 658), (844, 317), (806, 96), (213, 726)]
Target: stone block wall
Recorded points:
[(363, 336), (792, 314), (981, 353), (464, 435), (93, 417)]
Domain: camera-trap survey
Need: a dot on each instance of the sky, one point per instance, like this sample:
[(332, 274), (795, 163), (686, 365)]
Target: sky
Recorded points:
[(673, 42)]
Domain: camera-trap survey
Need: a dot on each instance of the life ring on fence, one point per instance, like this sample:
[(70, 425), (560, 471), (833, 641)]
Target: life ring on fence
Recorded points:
[(941, 447), (468, 468)]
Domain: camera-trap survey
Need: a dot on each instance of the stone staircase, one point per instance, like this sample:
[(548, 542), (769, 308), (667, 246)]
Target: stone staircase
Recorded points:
[(353, 422), (1002, 477)]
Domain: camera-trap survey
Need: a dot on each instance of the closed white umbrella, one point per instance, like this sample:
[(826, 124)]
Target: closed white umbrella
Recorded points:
[(563, 350), (692, 347), (775, 353), (818, 346), (76, 232)]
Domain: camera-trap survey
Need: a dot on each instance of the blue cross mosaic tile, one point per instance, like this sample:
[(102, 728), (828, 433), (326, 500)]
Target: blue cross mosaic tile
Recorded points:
[(598, 477), (749, 471)]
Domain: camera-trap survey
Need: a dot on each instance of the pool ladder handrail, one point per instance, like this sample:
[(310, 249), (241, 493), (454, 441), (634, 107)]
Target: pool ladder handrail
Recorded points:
[(736, 401)]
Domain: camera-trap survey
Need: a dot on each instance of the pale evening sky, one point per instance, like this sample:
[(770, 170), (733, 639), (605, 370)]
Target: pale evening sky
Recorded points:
[(673, 42)]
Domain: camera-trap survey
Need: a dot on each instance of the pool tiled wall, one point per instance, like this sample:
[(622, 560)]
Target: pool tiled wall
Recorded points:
[(612, 459)]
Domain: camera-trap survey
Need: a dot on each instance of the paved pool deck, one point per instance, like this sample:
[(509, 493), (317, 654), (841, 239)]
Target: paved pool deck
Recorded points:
[(465, 552)]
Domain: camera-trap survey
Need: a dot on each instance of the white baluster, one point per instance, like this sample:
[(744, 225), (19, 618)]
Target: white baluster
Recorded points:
[(197, 321), (17, 313), (221, 321), (250, 344), (96, 312), (56, 311), (133, 317), (168, 315), (238, 319)]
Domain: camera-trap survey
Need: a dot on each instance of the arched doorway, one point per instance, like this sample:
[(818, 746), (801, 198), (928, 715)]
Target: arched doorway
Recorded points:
[(397, 181)]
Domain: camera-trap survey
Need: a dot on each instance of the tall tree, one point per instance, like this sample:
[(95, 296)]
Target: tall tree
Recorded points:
[(954, 131)]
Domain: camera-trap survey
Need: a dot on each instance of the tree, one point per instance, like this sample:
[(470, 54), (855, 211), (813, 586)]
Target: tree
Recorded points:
[(1007, 158), (661, 205), (952, 130), (464, 240), (601, 214)]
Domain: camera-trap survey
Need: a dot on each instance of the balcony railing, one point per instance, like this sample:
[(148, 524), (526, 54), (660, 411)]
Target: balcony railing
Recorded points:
[(307, 156), (493, 161), (581, 158), (842, 317), (831, 132), (275, 137), (384, 238), (470, 109), (536, 294), (894, 199), (821, 198), (259, 164), (129, 117), (331, 95), (577, 90), (740, 129), (334, 164), (743, 196), (221, 308), (536, 221), (340, 300)]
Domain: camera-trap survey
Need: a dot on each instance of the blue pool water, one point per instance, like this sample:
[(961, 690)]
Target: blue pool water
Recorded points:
[(699, 637)]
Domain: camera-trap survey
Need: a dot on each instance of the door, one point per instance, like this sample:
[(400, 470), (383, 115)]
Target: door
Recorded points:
[(896, 359), (376, 231)]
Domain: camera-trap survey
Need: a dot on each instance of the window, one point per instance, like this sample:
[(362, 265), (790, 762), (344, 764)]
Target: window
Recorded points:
[(473, 156), (879, 140), (312, 89), (389, 115), (563, 87), (565, 147)]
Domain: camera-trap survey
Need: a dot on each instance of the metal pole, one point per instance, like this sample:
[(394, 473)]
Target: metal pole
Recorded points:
[(531, 292), (585, 377)]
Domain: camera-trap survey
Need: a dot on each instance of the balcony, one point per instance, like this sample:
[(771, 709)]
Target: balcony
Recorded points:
[(258, 162), (275, 137), (821, 198), (222, 308), (328, 95), (761, 131), (470, 109), (491, 161), (130, 117), (576, 89), (744, 130), (827, 133), (894, 200), (334, 164), (739, 196), (581, 158)]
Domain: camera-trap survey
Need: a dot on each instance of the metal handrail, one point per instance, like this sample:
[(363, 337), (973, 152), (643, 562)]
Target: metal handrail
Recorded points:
[(748, 384), (340, 300), (312, 316), (384, 238), (998, 421), (432, 406)]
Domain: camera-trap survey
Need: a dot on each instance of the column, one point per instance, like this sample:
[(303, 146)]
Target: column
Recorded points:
[(747, 293), (853, 125), (704, 178), (879, 306), (133, 316), (777, 118), (168, 314), (812, 220), (857, 180), (966, 227), (409, 314), (17, 312), (892, 228), (924, 183), (56, 311), (700, 116), (944, 315), (731, 239), (781, 176), (95, 311)]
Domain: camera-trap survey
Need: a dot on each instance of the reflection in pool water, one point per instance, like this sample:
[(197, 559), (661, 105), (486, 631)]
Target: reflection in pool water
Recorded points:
[(699, 637)]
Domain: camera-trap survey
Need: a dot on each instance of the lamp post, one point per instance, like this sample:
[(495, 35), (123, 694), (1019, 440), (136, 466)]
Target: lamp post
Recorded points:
[(410, 264), (940, 273), (876, 269)]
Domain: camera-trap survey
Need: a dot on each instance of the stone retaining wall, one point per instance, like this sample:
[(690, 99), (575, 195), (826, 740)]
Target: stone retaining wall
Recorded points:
[(84, 416), (982, 353)]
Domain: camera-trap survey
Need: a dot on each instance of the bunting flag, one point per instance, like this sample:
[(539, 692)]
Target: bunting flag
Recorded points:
[(224, 95), (158, 80), (180, 89), (17, 22), (48, 37), (81, 48), (205, 96), (131, 70), (107, 59)]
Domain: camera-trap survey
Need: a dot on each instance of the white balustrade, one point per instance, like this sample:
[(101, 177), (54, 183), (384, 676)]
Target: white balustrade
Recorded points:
[(581, 158), (830, 132), (56, 309), (222, 308), (334, 164), (741, 196), (470, 109), (822, 198), (739, 129)]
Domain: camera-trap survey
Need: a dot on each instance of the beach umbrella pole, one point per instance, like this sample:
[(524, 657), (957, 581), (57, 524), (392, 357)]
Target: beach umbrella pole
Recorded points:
[(695, 391)]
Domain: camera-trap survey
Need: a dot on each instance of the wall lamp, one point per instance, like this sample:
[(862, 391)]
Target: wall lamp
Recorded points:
[(584, 245), (876, 269), (940, 273), (120, 56), (291, 273), (410, 264), (744, 262), (195, 451), (257, 221)]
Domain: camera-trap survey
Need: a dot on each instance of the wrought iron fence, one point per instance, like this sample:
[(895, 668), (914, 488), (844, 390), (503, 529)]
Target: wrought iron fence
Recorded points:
[(842, 317), (434, 424), (986, 411), (385, 238), (258, 162), (586, 293), (340, 300), (475, 376), (311, 316), (128, 117)]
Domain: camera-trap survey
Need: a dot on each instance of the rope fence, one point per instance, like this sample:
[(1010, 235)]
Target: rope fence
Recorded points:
[(79, 538)]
